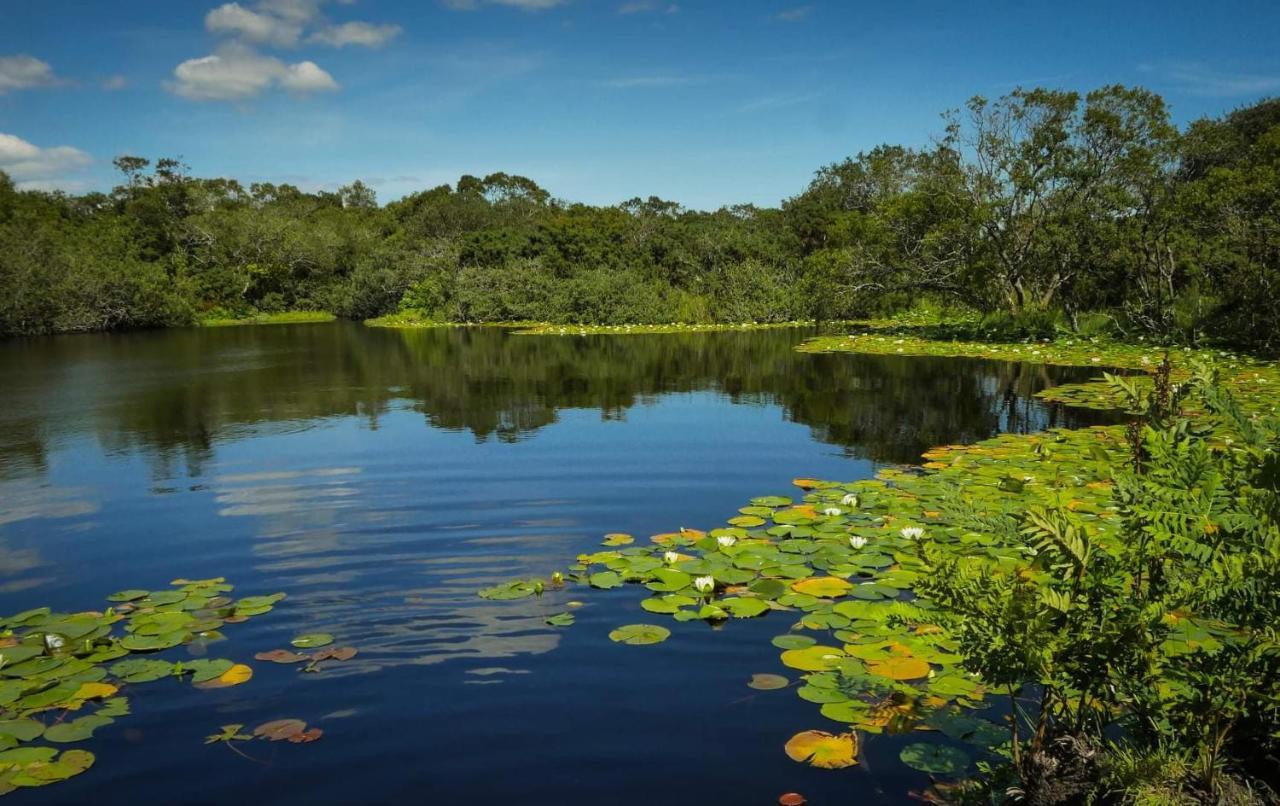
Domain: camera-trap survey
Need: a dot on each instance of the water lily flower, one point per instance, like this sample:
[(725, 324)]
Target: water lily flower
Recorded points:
[(913, 532), (557, 578), (52, 641), (704, 584), (833, 511), (850, 500), (726, 541), (670, 558), (857, 541)]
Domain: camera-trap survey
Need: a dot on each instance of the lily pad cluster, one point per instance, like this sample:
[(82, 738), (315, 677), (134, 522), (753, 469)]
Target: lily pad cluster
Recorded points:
[(840, 564), (62, 674)]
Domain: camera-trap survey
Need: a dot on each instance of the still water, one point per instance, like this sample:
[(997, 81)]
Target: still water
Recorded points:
[(380, 478)]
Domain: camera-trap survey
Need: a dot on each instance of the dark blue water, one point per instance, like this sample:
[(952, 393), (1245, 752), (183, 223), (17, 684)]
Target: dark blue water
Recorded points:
[(380, 478)]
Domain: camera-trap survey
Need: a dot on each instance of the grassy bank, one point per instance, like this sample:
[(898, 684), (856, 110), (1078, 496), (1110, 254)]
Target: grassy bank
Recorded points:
[(282, 318)]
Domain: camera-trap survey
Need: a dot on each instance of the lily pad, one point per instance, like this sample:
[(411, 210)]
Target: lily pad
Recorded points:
[(823, 750), (312, 640), (768, 682), (560, 620), (937, 759), (640, 634)]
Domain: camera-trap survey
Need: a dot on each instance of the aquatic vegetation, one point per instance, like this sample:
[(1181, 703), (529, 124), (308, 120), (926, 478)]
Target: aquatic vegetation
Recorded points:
[(550, 329), (54, 665), (851, 564)]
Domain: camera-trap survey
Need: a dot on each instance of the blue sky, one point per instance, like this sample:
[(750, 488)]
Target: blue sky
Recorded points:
[(706, 103)]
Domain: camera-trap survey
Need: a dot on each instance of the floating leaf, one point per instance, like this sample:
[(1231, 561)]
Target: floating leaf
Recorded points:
[(793, 641), (307, 736), (312, 640), (203, 671), (618, 539), (141, 670), (816, 658), (560, 620), (126, 596), (230, 733), (823, 750), (339, 653), (24, 730), (934, 758), (237, 674), (281, 656), (640, 634), (604, 580), (822, 587), (768, 682), (899, 668), (76, 730), (280, 729)]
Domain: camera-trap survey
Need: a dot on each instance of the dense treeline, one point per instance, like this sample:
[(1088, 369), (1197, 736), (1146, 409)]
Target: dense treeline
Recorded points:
[(1041, 210)]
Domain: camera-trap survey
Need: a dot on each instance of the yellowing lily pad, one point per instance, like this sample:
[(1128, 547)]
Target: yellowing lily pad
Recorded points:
[(899, 668), (234, 676), (768, 682), (823, 750)]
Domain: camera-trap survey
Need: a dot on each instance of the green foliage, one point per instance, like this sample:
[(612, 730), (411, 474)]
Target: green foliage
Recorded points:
[(1165, 627), (1045, 210)]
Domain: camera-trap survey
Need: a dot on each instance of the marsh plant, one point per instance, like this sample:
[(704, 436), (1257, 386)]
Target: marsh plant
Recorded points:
[(1140, 662)]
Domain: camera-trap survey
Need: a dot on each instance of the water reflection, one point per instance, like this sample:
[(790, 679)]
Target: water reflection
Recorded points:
[(173, 396), (380, 478)]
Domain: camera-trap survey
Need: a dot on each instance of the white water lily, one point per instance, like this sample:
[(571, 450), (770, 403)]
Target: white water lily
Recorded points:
[(833, 511), (670, 558), (857, 541), (52, 641), (704, 584), (850, 500), (913, 532), (726, 541)]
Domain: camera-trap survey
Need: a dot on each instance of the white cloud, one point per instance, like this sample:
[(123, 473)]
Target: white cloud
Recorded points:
[(21, 72), (113, 83), (1197, 79), (794, 14), (233, 19), (523, 5), (39, 168), (356, 33), (237, 72), (645, 6)]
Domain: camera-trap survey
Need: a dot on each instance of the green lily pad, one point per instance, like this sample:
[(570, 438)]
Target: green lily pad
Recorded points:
[(560, 620), (24, 730), (934, 758), (141, 670), (76, 730), (640, 634), (127, 596), (312, 640)]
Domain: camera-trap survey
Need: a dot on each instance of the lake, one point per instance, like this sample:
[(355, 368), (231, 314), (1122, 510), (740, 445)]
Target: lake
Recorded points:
[(381, 477)]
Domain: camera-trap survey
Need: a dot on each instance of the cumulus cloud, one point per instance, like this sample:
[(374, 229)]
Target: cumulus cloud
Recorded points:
[(22, 72), (233, 19), (33, 167), (236, 72), (356, 33), (282, 24)]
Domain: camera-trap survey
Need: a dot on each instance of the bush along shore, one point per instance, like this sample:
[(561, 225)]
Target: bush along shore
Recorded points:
[(1043, 211), (1071, 616)]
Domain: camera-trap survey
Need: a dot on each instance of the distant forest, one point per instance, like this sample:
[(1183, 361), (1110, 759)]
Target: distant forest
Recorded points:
[(1039, 212)]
